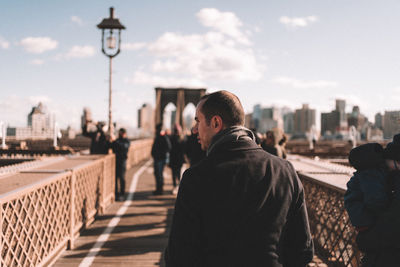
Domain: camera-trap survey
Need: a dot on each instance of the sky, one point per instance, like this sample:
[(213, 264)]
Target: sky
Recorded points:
[(274, 53)]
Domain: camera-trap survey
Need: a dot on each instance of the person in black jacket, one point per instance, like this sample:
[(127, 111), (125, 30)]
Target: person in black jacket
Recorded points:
[(120, 147), (176, 157), (99, 142), (160, 153), (380, 242), (239, 206), (193, 149)]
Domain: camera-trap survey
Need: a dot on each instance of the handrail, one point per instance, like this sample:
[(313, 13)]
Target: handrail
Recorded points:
[(333, 234), (42, 218)]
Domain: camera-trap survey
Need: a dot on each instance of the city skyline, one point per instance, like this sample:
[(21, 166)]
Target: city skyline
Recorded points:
[(274, 54)]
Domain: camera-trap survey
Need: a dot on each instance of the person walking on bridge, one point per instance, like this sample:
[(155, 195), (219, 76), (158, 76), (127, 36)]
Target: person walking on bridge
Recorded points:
[(120, 147), (160, 153), (239, 206)]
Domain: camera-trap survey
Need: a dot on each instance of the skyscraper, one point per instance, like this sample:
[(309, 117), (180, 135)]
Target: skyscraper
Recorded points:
[(146, 119), (334, 121), (304, 119), (391, 123)]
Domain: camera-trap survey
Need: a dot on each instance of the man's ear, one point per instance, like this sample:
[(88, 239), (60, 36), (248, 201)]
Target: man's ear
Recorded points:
[(217, 123)]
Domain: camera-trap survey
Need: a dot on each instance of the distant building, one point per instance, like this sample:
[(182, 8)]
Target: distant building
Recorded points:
[(304, 119), (359, 121), (334, 121), (86, 117), (38, 120), (374, 134), (391, 124), (270, 118), (40, 126), (248, 121), (256, 116), (379, 121), (288, 122), (146, 119)]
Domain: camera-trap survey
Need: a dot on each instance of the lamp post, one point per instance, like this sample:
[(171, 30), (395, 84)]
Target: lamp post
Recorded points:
[(110, 47)]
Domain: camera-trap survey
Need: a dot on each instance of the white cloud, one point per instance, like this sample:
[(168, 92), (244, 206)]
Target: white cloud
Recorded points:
[(143, 78), (174, 44), (219, 54), (78, 52), (133, 46), (208, 56), (81, 51), (295, 83), (77, 20), (4, 43), (296, 22), (225, 22), (37, 62), (38, 45)]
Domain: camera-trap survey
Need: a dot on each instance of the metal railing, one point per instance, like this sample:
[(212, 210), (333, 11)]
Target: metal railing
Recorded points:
[(333, 234), (40, 219), (44, 206)]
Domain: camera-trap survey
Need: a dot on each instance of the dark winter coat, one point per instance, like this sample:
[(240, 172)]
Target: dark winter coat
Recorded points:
[(381, 241), (367, 196), (120, 147), (176, 157), (161, 147), (99, 143), (240, 206), (193, 150)]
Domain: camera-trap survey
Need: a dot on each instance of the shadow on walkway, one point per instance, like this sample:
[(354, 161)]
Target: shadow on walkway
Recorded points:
[(144, 229)]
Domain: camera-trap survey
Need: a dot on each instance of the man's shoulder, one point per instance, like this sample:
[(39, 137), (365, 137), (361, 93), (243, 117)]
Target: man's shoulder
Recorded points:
[(372, 174)]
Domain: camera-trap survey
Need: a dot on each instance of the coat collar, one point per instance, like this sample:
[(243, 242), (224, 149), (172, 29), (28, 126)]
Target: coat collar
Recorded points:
[(233, 136)]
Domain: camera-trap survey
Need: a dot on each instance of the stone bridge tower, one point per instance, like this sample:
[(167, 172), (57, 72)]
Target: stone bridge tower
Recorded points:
[(178, 96)]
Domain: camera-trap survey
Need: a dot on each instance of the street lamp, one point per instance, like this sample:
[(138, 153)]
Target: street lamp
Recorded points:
[(110, 47)]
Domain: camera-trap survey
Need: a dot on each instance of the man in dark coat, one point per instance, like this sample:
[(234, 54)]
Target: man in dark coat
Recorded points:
[(120, 147), (99, 143), (160, 153), (380, 242), (176, 157), (240, 206), (193, 149)]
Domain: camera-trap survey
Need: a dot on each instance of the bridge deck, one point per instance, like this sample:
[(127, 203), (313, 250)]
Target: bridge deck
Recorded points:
[(139, 237)]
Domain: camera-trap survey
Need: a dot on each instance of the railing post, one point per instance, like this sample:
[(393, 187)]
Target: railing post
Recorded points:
[(103, 185), (72, 212), (1, 233)]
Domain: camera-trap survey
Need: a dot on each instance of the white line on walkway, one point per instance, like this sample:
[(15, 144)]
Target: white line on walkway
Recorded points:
[(88, 260)]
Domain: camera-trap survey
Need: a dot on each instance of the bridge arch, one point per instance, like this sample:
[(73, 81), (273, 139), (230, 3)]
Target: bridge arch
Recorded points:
[(180, 97)]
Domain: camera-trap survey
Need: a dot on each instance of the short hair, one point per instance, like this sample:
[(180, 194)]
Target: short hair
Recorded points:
[(122, 130), (224, 104)]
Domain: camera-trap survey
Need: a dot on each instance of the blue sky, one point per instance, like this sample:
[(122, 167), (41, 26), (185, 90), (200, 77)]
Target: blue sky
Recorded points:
[(281, 53)]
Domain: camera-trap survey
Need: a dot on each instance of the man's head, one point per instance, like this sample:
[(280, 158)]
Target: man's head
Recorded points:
[(101, 126), (216, 112), (122, 133)]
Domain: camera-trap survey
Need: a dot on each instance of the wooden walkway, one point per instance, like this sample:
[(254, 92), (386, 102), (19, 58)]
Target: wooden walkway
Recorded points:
[(139, 238), (140, 234)]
